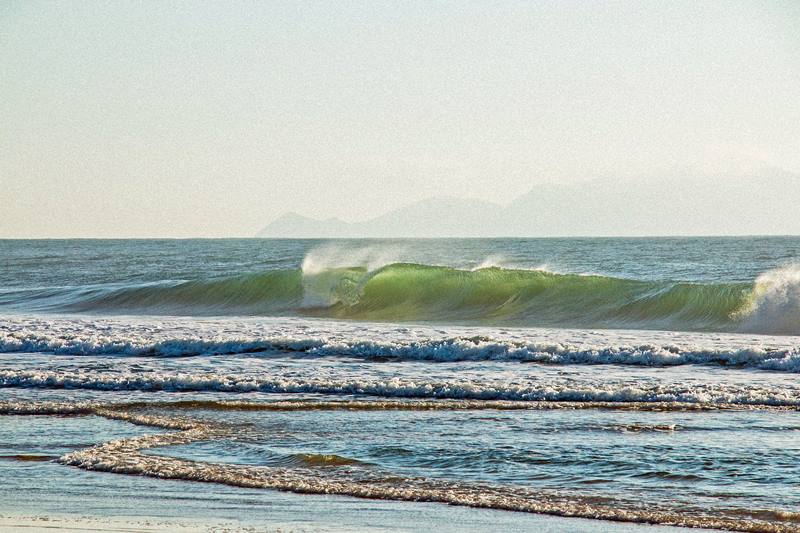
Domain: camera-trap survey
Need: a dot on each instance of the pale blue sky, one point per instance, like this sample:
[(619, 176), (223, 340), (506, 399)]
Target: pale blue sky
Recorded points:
[(210, 119)]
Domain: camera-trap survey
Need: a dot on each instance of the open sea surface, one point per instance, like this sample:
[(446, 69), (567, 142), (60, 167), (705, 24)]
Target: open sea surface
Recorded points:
[(647, 380)]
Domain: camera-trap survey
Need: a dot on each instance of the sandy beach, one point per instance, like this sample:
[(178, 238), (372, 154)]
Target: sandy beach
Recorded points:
[(406, 518)]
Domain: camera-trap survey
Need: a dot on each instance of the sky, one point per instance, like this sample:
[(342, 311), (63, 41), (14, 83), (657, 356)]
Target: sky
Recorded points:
[(210, 119)]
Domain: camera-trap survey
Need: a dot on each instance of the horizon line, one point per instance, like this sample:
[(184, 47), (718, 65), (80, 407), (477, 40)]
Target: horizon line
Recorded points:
[(505, 237)]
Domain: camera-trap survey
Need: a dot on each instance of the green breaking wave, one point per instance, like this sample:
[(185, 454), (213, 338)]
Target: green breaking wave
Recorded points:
[(413, 292)]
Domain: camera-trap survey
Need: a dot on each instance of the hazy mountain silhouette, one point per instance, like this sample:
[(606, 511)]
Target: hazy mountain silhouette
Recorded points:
[(764, 203), (434, 217)]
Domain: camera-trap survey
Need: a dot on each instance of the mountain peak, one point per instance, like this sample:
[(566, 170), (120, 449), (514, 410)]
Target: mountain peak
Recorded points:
[(758, 204)]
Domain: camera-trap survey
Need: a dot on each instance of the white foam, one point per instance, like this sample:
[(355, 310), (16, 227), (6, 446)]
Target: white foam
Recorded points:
[(551, 390), (776, 302), (421, 344)]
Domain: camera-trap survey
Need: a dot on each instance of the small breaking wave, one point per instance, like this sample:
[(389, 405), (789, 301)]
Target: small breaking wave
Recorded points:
[(453, 349), (454, 389)]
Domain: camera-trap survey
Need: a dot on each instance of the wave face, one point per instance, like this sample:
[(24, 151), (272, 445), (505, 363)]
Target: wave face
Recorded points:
[(403, 292)]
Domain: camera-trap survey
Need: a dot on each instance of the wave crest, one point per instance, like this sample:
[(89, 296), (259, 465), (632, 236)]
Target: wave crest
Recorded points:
[(775, 303)]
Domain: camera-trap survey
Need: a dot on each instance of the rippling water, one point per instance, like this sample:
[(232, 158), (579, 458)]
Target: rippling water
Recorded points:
[(641, 380)]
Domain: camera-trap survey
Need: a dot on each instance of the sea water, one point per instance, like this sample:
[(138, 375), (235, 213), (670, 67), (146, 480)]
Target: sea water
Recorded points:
[(636, 380)]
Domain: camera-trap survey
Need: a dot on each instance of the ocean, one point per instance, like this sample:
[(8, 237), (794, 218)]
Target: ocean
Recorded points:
[(637, 380)]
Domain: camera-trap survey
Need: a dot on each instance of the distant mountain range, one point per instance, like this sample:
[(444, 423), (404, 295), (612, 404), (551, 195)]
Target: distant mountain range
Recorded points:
[(763, 203)]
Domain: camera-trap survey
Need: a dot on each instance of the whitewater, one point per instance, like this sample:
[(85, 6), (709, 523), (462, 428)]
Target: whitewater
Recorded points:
[(628, 380)]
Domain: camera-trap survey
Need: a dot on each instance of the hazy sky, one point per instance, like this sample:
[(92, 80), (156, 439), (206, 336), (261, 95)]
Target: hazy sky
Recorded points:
[(210, 119)]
